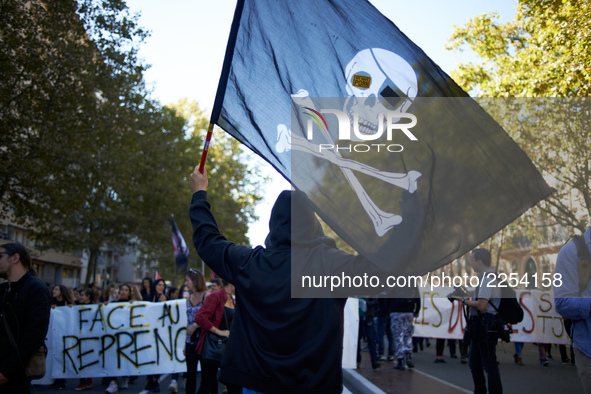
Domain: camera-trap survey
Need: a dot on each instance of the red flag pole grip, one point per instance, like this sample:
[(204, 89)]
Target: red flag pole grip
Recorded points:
[(206, 148)]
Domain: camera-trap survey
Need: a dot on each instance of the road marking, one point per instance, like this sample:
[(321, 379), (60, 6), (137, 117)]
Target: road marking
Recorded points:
[(443, 381)]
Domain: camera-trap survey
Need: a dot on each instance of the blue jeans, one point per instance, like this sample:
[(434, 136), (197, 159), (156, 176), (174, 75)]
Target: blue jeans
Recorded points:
[(384, 327), (367, 325), (483, 358)]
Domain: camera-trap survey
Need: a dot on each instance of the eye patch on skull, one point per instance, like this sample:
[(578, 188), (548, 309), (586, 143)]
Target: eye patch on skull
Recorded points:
[(391, 98)]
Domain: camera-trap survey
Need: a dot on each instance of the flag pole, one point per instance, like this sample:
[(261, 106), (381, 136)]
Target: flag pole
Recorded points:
[(205, 148)]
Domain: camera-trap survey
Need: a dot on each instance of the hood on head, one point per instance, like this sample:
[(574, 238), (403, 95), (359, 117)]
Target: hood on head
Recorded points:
[(293, 221)]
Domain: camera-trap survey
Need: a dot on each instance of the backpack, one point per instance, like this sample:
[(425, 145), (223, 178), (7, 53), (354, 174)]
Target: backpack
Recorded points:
[(509, 309)]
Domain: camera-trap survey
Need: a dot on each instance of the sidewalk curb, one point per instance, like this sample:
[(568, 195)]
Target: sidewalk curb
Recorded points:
[(360, 384)]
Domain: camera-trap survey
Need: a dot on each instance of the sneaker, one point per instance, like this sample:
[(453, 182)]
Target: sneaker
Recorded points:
[(439, 361), (453, 356), (112, 388), (463, 360), (390, 358), (381, 358), (376, 366), (59, 384), (544, 362), (85, 383), (124, 382), (172, 387)]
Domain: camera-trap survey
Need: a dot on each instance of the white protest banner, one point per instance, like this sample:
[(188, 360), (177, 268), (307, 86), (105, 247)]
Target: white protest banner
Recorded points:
[(118, 339), (440, 318), (351, 331)]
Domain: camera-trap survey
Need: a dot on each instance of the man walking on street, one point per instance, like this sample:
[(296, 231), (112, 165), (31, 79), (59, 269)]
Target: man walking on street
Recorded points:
[(482, 325), (25, 305)]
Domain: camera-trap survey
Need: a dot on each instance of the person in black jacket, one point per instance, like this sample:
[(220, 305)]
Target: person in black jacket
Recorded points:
[(278, 344), (25, 305)]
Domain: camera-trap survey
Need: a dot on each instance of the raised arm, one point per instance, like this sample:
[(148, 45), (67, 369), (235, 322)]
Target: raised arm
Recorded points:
[(216, 251)]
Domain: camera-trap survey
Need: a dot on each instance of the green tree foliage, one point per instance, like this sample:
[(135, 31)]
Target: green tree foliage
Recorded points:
[(544, 52), (233, 191), (88, 160)]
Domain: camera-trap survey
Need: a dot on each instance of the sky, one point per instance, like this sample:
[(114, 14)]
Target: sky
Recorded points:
[(188, 41)]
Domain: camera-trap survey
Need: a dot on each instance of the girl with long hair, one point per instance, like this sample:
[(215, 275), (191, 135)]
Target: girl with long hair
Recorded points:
[(158, 295), (195, 284)]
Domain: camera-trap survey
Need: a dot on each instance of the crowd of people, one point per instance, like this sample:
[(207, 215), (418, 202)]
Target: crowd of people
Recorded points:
[(385, 328), (275, 342), (194, 289)]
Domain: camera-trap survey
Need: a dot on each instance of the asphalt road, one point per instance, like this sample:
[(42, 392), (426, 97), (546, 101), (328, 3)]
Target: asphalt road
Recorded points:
[(454, 377), (428, 377)]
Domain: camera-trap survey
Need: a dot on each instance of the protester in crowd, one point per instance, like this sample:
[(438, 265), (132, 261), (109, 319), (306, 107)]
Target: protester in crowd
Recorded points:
[(111, 292), (25, 304), (125, 294), (61, 296), (114, 295), (172, 293), (195, 284), (482, 325), (573, 302), (184, 291), (135, 292), (405, 305), (368, 329), (86, 298), (78, 296), (215, 285), (157, 295), (98, 295), (384, 329), (146, 289), (215, 316), (278, 343)]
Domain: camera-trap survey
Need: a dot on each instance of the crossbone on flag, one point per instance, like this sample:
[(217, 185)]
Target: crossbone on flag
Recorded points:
[(397, 159), (181, 252)]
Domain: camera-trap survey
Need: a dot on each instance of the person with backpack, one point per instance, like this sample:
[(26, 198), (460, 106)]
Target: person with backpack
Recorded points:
[(572, 295), (483, 324)]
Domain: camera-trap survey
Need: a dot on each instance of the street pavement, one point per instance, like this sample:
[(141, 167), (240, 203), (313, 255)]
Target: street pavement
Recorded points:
[(427, 377), (455, 378)]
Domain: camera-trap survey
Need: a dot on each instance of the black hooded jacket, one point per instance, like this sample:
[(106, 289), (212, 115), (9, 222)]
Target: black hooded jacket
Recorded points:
[(278, 344)]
